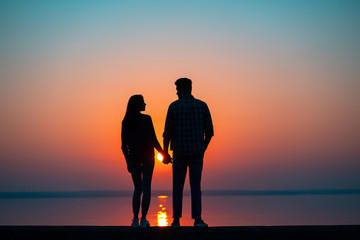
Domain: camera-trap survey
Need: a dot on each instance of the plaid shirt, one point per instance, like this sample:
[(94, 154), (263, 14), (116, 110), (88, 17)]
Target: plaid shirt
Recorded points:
[(188, 121)]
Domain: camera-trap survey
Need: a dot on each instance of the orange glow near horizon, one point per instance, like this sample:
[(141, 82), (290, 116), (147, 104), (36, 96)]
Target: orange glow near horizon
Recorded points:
[(87, 140)]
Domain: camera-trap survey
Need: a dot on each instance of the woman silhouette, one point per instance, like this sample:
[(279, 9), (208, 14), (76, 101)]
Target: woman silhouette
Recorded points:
[(138, 143)]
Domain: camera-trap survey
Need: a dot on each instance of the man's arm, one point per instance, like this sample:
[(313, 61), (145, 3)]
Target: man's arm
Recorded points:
[(166, 144), (207, 141), (168, 129), (209, 130)]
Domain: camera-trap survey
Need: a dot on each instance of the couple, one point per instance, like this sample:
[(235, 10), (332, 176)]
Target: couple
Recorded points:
[(188, 129)]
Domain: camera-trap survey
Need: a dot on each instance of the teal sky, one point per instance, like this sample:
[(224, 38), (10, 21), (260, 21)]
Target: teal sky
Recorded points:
[(34, 25)]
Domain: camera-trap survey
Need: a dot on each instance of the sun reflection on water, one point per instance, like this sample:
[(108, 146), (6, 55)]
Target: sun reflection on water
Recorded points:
[(162, 219)]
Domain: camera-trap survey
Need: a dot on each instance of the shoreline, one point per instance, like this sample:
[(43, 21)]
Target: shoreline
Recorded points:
[(206, 192), (188, 233)]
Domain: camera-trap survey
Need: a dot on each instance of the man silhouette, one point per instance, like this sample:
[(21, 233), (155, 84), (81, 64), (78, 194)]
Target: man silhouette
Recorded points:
[(189, 129)]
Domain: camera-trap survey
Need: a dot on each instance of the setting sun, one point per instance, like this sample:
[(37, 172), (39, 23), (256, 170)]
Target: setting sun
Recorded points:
[(160, 157)]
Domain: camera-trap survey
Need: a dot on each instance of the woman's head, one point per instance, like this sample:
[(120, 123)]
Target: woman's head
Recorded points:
[(136, 104)]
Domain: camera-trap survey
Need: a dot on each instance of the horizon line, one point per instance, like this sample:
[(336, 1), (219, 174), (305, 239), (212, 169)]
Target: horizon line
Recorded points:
[(209, 192)]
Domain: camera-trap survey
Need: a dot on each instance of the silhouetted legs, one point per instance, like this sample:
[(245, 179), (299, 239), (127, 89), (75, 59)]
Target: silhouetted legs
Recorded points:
[(180, 165), (179, 174), (141, 176)]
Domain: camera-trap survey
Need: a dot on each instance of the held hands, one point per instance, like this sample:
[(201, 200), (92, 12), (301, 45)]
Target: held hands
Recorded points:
[(166, 158)]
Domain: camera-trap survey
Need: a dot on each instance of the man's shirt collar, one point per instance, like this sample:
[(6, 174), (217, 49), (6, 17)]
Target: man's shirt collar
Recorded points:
[(187, 96)]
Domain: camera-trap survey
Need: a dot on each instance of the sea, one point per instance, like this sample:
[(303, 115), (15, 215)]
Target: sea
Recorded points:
[(219, 208)]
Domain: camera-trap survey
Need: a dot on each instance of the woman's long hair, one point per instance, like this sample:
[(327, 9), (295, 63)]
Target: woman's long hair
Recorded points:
[(134, 107)]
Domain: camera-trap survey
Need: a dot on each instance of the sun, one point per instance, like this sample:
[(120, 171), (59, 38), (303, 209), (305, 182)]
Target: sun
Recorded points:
[(159, 157)]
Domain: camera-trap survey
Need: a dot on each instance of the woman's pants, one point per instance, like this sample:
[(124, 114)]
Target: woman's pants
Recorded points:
[(141, 176)]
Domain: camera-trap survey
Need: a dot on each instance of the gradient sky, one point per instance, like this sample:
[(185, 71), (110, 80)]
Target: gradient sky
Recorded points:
[(281, 79)]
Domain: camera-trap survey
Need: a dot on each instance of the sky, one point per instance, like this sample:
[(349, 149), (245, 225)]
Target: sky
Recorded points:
[(281, 79)]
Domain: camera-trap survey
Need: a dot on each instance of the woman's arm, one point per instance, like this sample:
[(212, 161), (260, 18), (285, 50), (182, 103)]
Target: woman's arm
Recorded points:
[(124, 144), (155, 142)]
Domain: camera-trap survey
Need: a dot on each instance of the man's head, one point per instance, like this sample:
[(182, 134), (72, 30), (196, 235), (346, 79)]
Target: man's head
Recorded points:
[(183, 86)]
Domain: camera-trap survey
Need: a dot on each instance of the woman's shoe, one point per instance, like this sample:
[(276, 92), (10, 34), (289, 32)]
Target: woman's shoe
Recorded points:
[(135, 223), (144, 223)]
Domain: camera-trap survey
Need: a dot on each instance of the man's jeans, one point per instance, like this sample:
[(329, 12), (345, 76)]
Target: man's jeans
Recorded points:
[(180, 165)]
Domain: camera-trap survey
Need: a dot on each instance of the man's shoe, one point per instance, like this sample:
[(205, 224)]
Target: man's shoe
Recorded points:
[(135, 223), (144, 223), (200, 223), (175, 223)]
